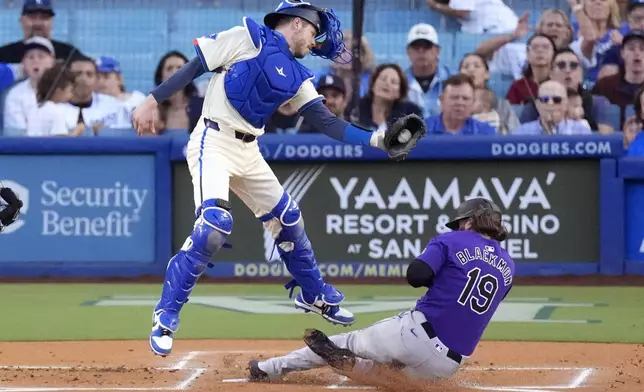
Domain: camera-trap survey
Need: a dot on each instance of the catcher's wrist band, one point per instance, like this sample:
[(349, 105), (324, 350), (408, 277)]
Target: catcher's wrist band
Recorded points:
[(357, 135)]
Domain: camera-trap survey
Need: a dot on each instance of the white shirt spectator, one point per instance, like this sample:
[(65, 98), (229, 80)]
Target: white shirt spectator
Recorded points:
[(49, 120), (511, 58), (104, 109), (19, 102), (135, 98), (486, 16), (565, 127)]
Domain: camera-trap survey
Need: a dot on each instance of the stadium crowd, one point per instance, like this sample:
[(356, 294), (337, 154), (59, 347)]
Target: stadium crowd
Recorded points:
[(576, 71)]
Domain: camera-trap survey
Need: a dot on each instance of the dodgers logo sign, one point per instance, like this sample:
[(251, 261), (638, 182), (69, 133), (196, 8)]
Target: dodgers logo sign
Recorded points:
[(81, 209)]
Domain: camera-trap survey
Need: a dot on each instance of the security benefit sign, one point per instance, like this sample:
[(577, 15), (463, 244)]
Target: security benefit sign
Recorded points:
[(388, 212), (80, 209)]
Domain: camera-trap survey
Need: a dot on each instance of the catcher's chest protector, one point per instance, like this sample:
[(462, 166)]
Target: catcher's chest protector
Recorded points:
[(257, 87)]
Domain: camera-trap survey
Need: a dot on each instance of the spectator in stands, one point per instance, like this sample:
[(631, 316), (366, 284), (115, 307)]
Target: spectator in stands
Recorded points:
[(620, 89), (633, 135), (37, 20), (426, 75), (334, 90), (567, 70), (21, 98), (613, 58), (173, 113), (597, 28), (386, 99), (478, 16), (47, 119), (632, 128), (541, 51), (623, 7), (552, 105), (474, 66), (508, 57), (576, 107), (344, 71), (483, 109), (457, 101), (95, 110), (112, 83)]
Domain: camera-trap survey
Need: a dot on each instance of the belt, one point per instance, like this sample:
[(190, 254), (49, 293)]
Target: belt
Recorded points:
[(244, 137), (454, 356)]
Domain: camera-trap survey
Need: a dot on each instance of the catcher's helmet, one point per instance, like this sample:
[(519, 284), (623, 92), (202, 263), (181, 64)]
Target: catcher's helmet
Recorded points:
[(329, 37), (468, 208), (301, 9)]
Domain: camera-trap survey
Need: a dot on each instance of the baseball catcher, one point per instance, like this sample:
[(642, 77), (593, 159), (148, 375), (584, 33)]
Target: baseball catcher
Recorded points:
[(467, 274), (255, 71), (10, 207)]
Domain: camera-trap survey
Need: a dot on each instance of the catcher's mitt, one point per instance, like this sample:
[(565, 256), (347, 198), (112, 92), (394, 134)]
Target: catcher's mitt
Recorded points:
[(397, 149), (9, 213)]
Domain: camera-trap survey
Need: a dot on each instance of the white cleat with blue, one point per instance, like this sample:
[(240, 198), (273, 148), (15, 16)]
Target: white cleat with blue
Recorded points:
[(164, 325)]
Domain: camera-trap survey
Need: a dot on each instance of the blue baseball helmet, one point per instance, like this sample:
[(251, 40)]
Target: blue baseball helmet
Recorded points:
[(327, 25)]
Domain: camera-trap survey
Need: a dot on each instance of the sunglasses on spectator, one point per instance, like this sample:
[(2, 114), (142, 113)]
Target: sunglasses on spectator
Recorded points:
[(555, 99), (573, 65)]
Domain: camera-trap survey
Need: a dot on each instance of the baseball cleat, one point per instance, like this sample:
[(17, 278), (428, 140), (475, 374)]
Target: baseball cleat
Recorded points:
[(255, 374), (332, 313), (164, 325), (338, 358)]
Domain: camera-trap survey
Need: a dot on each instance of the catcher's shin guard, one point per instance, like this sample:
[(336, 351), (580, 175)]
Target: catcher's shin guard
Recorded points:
[(297, 254), (211, 229)]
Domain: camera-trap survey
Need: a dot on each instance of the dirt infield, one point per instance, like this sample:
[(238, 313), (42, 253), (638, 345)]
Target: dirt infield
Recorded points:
[(219, 365)]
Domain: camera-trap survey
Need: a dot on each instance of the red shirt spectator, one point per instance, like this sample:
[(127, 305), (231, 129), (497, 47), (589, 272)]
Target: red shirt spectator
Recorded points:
[(540, 52)]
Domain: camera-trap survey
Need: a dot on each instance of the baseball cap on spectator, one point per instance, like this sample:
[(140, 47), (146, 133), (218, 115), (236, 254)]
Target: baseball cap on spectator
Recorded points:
[(633, 34), (108, 64), (632, 4), (422, 32), (40, 43), (332, 81), (33, 6)]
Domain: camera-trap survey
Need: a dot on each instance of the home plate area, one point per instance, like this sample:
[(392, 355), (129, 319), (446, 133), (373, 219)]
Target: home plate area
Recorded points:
[(220, 365)]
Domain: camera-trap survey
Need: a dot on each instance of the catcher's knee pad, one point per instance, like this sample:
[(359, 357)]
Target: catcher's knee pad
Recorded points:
[(212, 228), (209, 234), (297, 254)]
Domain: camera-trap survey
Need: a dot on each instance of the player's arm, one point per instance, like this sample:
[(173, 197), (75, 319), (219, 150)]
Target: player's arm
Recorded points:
[(419, 274), (323, 120), (458, 9), (425, 266), (213, 52), (186, 74)]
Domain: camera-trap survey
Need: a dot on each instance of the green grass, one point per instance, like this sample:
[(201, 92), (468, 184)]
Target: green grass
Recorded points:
[(56, 312)]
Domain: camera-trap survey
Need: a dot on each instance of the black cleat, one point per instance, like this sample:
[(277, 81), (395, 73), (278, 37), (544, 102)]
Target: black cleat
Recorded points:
[(336, 357), (255, 374)]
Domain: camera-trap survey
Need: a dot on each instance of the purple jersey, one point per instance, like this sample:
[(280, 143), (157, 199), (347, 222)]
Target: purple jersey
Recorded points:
[(472, 276)]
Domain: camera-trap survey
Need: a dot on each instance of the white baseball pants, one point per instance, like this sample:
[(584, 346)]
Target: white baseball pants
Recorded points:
[(219, 162)]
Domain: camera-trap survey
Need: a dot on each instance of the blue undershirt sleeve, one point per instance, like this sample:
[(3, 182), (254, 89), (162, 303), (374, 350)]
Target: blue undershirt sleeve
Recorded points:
[(189, 72), (326, 122)]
